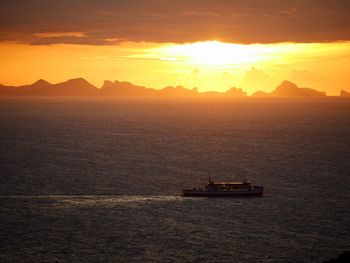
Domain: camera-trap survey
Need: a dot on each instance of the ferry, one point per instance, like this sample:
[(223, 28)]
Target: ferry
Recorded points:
[(225, 189)]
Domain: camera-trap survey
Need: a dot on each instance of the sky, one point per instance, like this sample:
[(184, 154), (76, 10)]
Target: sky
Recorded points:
[(211, 45)]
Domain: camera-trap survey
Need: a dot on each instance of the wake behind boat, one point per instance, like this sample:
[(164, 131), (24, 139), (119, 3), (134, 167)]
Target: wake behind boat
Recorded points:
[(225, 189)]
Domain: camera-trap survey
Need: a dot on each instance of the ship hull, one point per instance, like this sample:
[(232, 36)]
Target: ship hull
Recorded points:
[(255, 192)]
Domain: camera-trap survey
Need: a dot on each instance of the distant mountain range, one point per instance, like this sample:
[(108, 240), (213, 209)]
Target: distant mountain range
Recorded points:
[(289, 89), (72, 87), (81, 87)]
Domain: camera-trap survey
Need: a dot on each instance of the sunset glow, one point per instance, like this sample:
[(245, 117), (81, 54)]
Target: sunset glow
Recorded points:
[(122, 120), (208, 65), (216, 54)]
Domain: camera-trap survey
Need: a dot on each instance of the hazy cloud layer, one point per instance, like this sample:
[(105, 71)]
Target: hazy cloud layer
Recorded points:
[(112, 21)]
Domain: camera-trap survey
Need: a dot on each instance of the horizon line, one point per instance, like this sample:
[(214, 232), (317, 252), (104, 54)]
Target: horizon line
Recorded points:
[(240, 92)]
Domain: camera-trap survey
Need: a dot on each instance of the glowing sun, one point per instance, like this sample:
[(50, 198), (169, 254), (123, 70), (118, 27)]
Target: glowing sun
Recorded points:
[(215, 53)]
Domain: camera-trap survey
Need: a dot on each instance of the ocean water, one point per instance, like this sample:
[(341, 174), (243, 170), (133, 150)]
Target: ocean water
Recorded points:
[(85, 180)]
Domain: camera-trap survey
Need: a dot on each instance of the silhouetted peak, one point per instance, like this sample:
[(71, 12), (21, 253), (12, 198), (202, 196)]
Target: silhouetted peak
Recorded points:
[(178, 91), (290, 89), (122, 88), (178, 87), (107, 84), (235, 92), (123, 83), (77, 86), (78, 81), (126, 84), (287, 85), (40, 82), (344, 93), (117, 82)]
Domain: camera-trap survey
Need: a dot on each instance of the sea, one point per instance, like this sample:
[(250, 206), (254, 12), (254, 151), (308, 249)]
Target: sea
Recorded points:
[(100, 180)]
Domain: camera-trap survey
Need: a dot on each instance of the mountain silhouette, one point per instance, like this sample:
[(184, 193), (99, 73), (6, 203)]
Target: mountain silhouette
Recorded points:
[(118, 88), (81, 87), (40, 84), (235, 92), (289, 89), (124, 88), (178, 91), (72, 87), (230, 93), (344, 93)]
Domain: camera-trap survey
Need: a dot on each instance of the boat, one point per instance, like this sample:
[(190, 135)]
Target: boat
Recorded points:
[(225, 189)]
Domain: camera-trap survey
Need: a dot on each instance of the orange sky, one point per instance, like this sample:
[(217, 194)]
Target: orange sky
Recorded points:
[(209, 65), (212, 45)]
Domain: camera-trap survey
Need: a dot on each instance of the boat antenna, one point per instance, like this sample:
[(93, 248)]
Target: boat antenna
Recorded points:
[(245, 179)]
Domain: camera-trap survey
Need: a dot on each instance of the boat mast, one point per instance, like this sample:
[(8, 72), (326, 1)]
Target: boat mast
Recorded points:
[(245, 179)]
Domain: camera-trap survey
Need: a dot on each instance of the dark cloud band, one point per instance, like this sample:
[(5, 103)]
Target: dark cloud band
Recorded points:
[(105, 22)]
